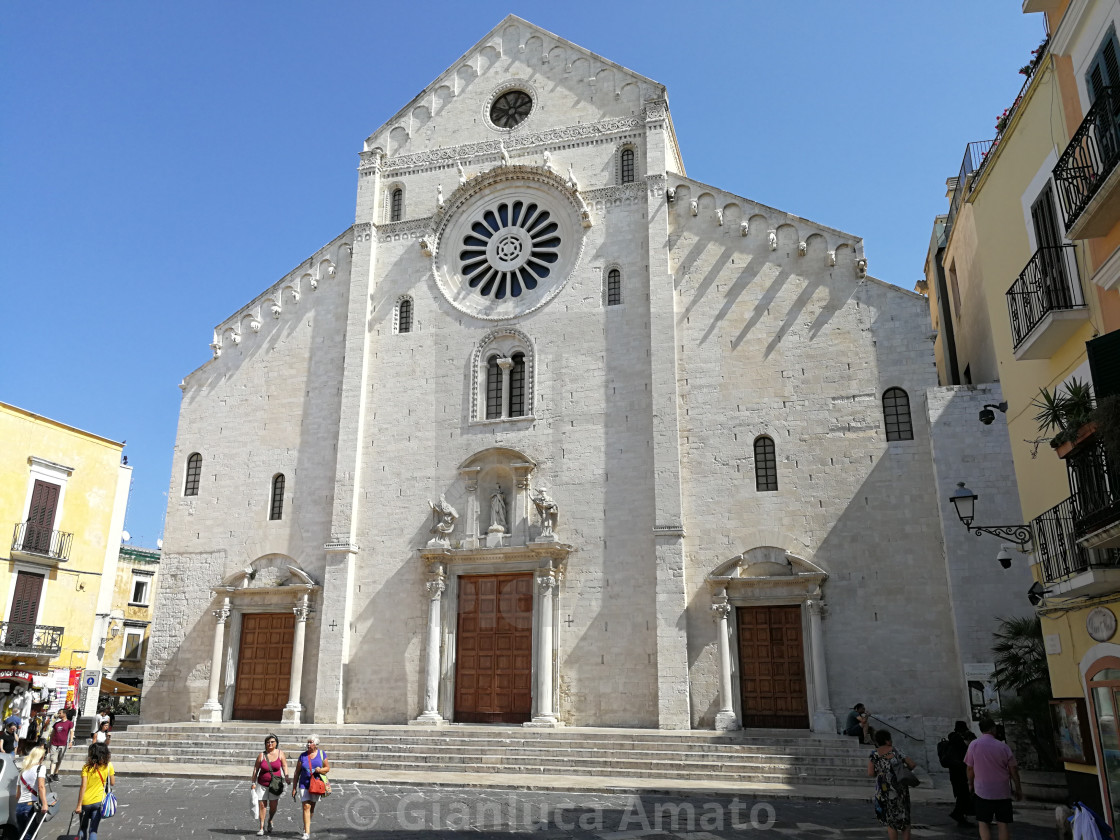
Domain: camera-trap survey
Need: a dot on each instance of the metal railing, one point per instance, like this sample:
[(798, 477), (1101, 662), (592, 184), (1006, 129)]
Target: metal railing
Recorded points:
[(1055, 541), (1091, 155), (30, 638), (1048, 283), (36, 539), (1095, 485), (974, 156)]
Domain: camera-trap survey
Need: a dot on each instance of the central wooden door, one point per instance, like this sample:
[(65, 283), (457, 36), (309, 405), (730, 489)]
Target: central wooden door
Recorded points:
[(494, 662), (264, 666), (772, 667)]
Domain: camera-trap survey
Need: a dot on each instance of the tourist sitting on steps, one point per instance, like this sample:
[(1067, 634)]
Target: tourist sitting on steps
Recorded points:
[(858, 725)]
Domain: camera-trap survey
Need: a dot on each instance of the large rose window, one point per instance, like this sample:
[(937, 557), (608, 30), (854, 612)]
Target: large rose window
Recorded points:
[(509, 249)]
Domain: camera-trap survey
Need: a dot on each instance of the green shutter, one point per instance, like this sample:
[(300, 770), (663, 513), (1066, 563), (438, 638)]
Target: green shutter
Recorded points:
[(1104, 364)]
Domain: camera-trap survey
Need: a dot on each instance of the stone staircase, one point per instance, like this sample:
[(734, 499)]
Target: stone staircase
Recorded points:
[(755, 756)]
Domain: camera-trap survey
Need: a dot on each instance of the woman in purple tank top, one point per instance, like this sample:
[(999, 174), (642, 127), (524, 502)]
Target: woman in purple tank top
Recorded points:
[(271, 763)]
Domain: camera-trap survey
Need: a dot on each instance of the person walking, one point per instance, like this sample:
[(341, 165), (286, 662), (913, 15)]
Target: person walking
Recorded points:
[(96, 774), (32, 789), (959, 739), (892, 800), (993, 777), (313, 762), (271, 766), (62, 738), (101, 735)]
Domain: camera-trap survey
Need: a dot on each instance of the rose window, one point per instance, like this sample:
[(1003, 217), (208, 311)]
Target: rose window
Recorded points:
[(509, 249)]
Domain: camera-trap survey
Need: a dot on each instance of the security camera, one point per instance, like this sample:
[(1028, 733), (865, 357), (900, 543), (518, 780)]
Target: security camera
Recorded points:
[(1004, 557), (987, 416)]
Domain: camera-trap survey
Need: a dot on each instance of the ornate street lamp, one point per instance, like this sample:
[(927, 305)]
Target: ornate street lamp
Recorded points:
[(964, 500)]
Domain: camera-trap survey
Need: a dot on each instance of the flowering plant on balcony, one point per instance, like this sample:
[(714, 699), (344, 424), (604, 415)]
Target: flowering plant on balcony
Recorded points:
[(1037, 55), (1003, 119)]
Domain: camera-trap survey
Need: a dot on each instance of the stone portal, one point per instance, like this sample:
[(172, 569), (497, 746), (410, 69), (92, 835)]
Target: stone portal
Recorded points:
[(264, 665)]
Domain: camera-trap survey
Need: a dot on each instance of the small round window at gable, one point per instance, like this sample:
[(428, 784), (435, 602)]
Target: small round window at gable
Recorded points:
[(509, 248), (511, 108)]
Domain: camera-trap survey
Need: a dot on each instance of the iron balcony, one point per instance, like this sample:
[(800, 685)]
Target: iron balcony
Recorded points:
[(41, 542)]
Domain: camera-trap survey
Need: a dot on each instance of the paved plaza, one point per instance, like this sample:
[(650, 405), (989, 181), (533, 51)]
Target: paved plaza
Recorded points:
[(219, 808)]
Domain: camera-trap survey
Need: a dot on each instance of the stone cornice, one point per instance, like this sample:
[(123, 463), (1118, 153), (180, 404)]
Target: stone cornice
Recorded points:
[(506, 554)]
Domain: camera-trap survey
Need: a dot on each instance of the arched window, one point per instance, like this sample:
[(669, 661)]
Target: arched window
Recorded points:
[(396, 205), (765, 464), (614, 287), (626, 166), (493, 388), (276, 509), (404, 315), (517, 386), (194, 473), (896, 414)]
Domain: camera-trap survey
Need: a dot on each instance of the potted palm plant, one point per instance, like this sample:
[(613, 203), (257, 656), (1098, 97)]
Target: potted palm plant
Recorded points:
[(1069, 412)]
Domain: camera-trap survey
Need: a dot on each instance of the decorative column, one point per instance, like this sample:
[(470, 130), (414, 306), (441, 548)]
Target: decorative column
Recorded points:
[(470, 529), (431, 715), (294, 709), (824, 720), (725, 717), (545, 715), (519, 525), (506, 364), (212, 708)]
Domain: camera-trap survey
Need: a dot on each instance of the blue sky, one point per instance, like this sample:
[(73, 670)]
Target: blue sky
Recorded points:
[(163, 163)]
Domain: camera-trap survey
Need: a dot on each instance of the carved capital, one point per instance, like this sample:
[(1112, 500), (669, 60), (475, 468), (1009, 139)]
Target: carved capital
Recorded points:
[(721, 612), (436, 587), (547, 582), (302, 611), (222, 614), (816, 607)]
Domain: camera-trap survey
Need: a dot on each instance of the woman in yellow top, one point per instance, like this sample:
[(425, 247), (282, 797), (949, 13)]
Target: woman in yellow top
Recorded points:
[(97, 772)]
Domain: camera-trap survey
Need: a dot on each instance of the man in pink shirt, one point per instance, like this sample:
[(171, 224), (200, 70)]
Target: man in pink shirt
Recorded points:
[(993, 777)]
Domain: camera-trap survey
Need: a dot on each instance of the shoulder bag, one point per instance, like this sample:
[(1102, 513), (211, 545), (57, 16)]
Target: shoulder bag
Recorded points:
[(316, 785), (109, 803), (903, 776), (276, 785)]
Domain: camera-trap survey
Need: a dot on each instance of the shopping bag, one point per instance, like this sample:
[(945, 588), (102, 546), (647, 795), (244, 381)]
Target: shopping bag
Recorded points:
[(255, 797)]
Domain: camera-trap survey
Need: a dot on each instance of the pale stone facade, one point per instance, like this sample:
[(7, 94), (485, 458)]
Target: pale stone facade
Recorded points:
[(377, 380)]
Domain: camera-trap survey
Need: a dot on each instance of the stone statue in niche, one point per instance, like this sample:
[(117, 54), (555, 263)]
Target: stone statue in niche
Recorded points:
[(802, 248), (548, 511), (444, 517), (719, 217), (462, 172), (498, 520), (744, 228), (505, 154), (694, 207), (861, 267), (772, 238), (548, 161), (832, 258), (670, 194)]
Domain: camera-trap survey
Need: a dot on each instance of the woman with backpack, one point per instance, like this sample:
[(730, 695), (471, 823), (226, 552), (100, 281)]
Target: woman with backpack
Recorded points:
[(892, 800), (271, 773), (97, 777)]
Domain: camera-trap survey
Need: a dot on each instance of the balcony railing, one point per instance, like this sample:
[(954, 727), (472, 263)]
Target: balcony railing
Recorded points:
[(35, 539), (32, 639), (1049, 283), (1095, 483), (1055, 541), (974, 156), (1090, 157)]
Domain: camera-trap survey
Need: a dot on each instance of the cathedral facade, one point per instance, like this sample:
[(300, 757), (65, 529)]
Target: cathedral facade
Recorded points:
[(556, 435)]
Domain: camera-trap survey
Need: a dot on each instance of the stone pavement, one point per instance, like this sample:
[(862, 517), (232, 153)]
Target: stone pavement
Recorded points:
[(154, 807)]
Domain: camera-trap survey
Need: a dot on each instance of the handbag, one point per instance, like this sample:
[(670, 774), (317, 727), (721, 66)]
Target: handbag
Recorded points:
[(276, 785), (903, 776), (109, 803), (317, 785)]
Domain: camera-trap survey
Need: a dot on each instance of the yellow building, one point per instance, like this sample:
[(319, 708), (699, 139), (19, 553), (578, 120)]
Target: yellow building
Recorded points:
[(127, 648), (63, 494), (1024, 280)]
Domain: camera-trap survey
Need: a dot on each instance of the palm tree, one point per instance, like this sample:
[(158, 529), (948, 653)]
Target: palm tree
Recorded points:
[(1021, 669)]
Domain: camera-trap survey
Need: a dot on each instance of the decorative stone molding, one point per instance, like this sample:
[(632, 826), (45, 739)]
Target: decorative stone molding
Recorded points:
[(505, 341), (489, 148)]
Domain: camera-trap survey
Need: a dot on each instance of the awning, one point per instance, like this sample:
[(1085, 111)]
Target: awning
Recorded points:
[(118, 689)]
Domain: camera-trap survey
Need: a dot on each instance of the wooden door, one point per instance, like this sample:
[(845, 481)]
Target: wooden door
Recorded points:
[(772, 667), (494, 662), (264, 666), (25, 610), (40, 517)]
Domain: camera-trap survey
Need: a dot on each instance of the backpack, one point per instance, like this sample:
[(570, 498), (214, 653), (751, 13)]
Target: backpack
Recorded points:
[(943, 748)]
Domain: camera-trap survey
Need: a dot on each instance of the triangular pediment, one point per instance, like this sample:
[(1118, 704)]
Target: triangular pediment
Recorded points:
[(569, 85)]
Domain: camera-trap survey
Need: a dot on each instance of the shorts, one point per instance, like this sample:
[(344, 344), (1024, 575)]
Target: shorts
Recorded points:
[(304, 796), (57, 753), (988, 810), (265, 796)]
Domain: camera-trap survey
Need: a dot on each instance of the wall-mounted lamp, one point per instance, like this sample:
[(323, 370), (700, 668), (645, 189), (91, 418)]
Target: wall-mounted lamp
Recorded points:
[(987, 416), (964, 500), (1036, 593)]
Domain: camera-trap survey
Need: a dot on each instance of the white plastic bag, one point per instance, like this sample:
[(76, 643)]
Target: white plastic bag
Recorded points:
[(255, 796)]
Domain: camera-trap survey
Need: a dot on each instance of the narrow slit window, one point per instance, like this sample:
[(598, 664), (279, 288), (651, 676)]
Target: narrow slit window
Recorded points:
[(396, 205), (896, 414), (276, 510), (614, 287), (517, 386), (404, 316), (194, 474), (493, 389), (765, 465), (627, 166)]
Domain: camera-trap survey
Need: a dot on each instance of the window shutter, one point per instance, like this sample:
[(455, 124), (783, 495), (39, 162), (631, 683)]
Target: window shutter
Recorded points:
[(1105, 69), (1104, 364), (1111, 67)]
